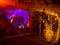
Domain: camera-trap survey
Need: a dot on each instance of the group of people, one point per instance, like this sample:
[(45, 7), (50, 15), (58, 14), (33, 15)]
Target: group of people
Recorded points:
[(23, 28)]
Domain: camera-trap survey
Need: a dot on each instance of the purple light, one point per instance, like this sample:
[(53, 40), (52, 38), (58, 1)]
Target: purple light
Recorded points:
[(1, 12), (19, 13)]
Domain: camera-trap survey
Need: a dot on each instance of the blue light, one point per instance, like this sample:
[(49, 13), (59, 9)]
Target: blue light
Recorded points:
[(22, 13), (19, 13)]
